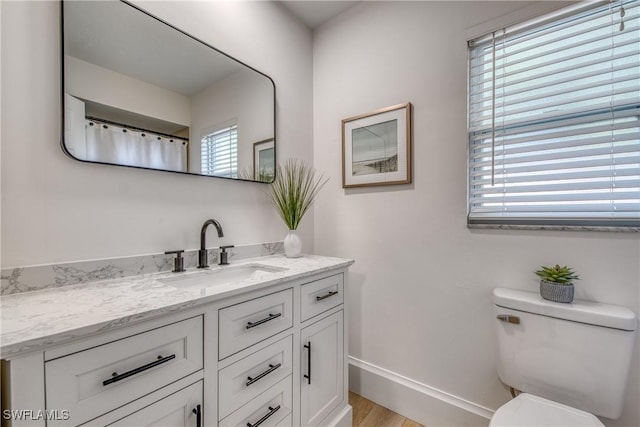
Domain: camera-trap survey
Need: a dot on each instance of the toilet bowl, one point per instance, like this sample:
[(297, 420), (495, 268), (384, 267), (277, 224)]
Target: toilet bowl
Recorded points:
[(528, 410)]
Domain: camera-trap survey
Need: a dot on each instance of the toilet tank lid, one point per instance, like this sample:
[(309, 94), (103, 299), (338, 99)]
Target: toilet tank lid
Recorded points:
[(594, 313)]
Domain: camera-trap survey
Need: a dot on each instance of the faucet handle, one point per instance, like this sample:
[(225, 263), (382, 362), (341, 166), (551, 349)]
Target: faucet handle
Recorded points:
[(223, 254), (178, 262)]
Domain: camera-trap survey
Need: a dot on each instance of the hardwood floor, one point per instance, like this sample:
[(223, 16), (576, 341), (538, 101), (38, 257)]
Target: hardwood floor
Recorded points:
[(369, 414)]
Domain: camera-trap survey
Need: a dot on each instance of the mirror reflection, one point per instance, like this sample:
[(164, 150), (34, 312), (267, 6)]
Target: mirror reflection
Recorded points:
[(138, 92)]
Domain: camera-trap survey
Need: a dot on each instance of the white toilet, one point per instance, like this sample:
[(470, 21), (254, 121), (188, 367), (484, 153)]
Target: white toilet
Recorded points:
[(570, 361)]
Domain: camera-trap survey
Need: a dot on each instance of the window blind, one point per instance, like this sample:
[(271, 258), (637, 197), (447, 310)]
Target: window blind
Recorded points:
[(554, 121), (219, 152)]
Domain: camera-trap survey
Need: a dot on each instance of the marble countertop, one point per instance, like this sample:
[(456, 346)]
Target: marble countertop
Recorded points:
[(34, 320)]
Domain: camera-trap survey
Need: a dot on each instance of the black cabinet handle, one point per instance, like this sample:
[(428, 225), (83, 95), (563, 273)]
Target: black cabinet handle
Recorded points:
[(262, 375), (198, 413), (263, 419), (118, 377), (330, 294), (265, 320), (308, 376)]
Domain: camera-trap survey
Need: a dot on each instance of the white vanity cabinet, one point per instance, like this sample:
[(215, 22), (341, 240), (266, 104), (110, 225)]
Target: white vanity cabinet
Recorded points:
[(322, 349), (322, 388), (272, 356)]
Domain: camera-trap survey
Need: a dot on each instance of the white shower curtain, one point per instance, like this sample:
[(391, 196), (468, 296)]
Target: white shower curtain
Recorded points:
[(112, 144)]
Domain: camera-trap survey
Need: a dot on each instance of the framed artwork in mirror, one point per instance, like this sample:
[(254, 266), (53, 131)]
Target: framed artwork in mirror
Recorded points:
[(376, 147), (264, 160)]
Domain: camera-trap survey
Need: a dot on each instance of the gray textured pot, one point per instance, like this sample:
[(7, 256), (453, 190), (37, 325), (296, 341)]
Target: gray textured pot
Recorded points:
[(557, 292)]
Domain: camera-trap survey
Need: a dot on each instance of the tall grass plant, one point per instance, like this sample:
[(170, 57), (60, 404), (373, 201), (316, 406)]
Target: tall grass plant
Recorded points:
[(294, 189)]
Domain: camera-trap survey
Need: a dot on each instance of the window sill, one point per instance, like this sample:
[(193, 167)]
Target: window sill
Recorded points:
[(555, 227)]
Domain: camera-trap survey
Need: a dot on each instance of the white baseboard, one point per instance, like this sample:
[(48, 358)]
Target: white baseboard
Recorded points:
[(419, 402), (342, 419)]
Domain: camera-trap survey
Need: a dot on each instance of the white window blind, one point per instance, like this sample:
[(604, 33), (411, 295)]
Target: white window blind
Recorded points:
[(219, 152), (554, 120)]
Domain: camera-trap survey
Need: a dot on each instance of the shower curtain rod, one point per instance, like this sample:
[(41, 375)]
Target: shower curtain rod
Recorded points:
[(109, 122)]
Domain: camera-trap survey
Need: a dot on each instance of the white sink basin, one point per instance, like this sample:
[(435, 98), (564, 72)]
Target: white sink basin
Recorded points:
[(220, 276)]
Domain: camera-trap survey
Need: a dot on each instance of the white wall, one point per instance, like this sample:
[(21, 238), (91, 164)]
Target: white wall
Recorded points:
[(94, 83), (56, 209), (420, 295)]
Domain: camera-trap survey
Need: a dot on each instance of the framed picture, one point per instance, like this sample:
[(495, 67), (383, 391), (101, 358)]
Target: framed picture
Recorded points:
[(264, 159), (376, 147)]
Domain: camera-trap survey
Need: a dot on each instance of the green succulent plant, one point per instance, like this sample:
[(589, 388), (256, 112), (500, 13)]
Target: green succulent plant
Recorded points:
[(557, 274)]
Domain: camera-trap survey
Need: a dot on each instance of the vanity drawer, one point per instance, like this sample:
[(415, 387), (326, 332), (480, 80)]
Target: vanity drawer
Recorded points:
[(251, 376), (272, 406), (250, 322), (94, 381), (321, 295), (175, 409)]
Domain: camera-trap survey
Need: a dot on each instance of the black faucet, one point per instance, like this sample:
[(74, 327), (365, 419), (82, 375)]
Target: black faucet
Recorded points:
[(202, 253)]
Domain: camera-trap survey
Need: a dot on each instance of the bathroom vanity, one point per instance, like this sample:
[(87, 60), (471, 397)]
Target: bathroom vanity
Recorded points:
[(260, 342)]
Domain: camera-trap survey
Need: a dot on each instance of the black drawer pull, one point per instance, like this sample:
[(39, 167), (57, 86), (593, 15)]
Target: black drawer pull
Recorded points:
[(263, 419), (308, 347), (117, 377), (198, 413), (330, 294), (265, 320), (262, 375)]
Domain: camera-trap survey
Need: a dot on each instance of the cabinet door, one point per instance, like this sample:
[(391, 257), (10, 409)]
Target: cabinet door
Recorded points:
[(322, 364), (180, 409)]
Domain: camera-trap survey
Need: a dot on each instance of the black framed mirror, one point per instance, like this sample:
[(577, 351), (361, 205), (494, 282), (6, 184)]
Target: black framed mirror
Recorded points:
[(140, 92)]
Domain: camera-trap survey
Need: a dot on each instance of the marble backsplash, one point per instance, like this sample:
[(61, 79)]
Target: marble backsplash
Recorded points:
[(33, 278)]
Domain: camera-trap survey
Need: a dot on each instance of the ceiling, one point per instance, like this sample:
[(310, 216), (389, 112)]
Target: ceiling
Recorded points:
[(113, 35), (314, 13)]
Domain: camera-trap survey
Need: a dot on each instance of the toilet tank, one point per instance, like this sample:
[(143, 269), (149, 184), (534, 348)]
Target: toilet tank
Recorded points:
[(578, 354)]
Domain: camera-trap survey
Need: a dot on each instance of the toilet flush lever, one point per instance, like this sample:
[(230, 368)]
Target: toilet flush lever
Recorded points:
[(510, 319)]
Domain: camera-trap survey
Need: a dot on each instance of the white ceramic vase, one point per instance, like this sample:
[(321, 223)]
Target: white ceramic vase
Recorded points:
[(292, 245)]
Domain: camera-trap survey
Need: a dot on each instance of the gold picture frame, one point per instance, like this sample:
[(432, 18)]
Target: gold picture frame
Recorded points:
[(376, 148)]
